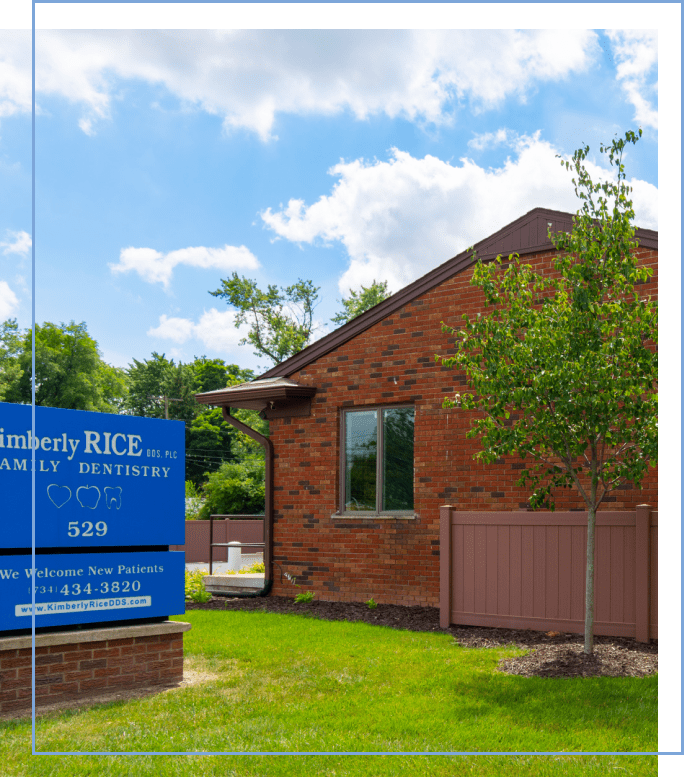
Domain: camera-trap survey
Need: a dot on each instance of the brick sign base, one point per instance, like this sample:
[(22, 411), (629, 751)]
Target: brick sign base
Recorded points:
[(75, 665)]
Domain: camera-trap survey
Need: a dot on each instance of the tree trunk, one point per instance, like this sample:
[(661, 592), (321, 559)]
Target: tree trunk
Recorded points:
[(589, 599)]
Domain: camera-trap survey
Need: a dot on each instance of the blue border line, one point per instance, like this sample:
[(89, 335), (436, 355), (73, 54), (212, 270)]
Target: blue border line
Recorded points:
[(307, 2), (681, 479), (33, 373), (33, 509)]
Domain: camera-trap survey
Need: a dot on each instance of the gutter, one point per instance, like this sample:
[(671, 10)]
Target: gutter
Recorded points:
[(267, 445)]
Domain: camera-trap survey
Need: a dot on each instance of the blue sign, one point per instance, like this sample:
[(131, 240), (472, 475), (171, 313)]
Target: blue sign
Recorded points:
[(101, 479), (73, 588)]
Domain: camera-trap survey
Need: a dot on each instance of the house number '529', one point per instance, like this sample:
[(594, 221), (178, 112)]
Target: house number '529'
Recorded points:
[(86, 529)]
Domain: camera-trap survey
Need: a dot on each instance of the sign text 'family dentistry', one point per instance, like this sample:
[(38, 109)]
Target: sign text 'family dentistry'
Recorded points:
[(101, 479)]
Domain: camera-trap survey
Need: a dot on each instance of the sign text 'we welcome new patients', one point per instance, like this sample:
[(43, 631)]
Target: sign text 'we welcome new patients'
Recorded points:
[(74, 588)]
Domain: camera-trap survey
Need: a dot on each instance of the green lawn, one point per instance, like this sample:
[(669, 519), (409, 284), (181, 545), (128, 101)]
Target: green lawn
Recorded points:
[(278, 683)]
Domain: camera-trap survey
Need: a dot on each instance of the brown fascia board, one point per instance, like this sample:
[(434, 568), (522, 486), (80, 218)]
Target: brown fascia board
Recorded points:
[(526, 235), (251, 399)]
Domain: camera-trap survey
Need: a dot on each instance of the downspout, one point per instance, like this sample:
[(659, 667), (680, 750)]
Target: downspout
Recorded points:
[(267, 445)]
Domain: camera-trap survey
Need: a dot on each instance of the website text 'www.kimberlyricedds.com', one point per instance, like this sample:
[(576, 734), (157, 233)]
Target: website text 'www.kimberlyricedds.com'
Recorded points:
[(52, 608)]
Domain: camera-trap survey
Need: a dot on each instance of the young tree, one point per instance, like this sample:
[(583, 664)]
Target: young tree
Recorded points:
[(280, 319), (563, 370), (360, 301)]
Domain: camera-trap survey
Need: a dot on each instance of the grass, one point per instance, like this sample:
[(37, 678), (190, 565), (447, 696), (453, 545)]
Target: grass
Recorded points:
[(276, 683)]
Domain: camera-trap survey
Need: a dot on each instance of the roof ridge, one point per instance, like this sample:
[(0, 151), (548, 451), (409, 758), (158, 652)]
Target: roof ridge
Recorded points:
[(500, 242)]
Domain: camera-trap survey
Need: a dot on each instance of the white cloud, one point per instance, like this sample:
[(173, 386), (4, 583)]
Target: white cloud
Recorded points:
[(180, 330), (636, 55), (247, 77), (215, 329), (15, 72), (8, 301), (155, 267), (502, 137), (18, 243), (400, 218)]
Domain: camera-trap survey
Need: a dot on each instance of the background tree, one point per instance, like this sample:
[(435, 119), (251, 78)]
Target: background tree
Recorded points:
[(160, 388), (70, 372), (280, 319), (210, 441), (213, 374), (563, 369), (360, 301), (10, 348)]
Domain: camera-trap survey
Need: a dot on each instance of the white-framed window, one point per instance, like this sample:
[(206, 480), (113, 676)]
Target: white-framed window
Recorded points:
[(376, 460)]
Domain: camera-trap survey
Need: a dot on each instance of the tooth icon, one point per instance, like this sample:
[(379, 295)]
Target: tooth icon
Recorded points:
[(88, 496), (113, 497), (59, 495)]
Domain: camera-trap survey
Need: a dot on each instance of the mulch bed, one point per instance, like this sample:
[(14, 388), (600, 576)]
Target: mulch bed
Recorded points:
[(551, 654)]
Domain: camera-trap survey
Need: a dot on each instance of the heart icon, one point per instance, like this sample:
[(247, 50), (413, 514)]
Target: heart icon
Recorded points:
[(59, 495)]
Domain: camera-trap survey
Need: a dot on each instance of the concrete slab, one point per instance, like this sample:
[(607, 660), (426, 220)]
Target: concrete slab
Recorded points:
[(221, 585)]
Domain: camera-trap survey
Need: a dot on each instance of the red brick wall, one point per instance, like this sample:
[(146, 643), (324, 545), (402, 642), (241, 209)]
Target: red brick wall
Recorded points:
[(397, 560), (77, 670)]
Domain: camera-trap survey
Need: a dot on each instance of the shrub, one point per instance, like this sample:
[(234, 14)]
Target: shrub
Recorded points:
[(372, 604), (304, 598), (258, 566), (235, 488), (194, 586), (193, 501)]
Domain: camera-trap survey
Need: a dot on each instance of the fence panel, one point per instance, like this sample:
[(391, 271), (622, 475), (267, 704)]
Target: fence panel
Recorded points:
[(526, 570), (238, 528)]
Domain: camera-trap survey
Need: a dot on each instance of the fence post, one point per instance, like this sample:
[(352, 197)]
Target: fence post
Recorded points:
[(643, 572), (445, 566), (211, 544)]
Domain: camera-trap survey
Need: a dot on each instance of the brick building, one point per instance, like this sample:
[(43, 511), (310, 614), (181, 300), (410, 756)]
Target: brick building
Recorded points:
[(350, 530)]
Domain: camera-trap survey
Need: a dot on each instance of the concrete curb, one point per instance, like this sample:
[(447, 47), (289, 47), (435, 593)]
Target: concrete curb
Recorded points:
[(95, 635)]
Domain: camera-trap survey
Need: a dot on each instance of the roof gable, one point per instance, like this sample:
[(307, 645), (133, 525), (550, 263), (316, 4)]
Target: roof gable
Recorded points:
[(526, 235)]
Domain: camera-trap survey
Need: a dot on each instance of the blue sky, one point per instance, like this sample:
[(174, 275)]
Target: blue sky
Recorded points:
[(167, 159)]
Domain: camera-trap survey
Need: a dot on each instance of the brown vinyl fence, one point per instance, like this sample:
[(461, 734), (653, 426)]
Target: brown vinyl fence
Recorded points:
[(525, 570), (234, 528)]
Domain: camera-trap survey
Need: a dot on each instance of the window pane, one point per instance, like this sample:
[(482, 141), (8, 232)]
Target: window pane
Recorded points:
[(361, 446), (398, 459)]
